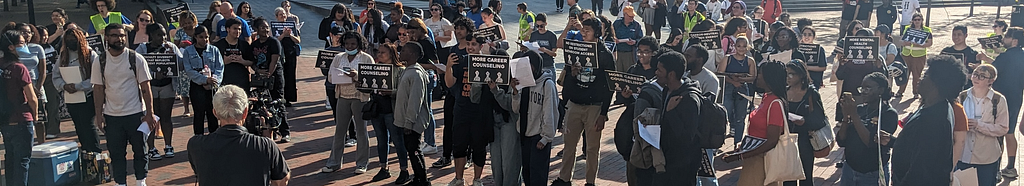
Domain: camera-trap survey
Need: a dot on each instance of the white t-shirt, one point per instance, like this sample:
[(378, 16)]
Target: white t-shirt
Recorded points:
[(437, 26), (909, 7), (121, 86)]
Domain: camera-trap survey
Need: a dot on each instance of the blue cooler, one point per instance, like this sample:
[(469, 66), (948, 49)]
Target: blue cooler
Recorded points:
[(54, 163)]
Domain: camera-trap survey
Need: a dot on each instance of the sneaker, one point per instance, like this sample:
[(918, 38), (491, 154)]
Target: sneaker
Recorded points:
[(154, 155), (141, 182), (581, 157), (50, 136), (382, 174), (329, 170), (457, 182), (468, 164), (403, 178), (1009, 172), (428, 150), (478, 183), (441, 163), (560, 182), (169, 152), (840, 165), (360, 170), (327, 104), (285, 139), (350, 143)]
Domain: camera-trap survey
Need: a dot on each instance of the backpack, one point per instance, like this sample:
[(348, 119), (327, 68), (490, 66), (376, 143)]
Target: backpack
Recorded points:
[(208, 23), (711, 130), (131, 65), (995, 101)]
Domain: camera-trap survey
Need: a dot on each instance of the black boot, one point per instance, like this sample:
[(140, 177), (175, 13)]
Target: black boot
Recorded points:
[(382, 174), (403, 178)]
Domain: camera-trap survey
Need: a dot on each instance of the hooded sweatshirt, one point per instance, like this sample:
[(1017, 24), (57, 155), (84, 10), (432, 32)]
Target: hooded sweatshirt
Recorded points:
[(542, 111), (412, 108)]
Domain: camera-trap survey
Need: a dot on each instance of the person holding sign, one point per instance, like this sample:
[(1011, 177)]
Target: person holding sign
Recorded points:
[(817, 68), (342, 74), (740, 70), (998, 28), (204, 65), (163, 91), (290, 45), (782, 47), (915, 54), (623, 133), (537, 117), (238, 57), (588, 106), (78, 54), (488, 16), (384, 123), (475, 128)]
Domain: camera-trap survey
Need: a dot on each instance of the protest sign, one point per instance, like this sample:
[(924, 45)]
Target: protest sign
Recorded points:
[(489, 68)]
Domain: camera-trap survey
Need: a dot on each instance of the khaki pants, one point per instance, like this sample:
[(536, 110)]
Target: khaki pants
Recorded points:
[(579, 118), (752, 173), (624, 60)]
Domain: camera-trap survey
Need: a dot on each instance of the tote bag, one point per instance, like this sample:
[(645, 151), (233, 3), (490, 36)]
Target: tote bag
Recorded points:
[(782, 163)]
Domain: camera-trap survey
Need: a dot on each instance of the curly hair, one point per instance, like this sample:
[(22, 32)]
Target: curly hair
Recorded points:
[(111, 4), (947, 74), (883, 83), (361, 42)]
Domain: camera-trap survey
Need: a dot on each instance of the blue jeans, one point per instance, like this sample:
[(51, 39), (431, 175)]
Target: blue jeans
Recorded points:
[(18, 140), (428, 135), (384, 127), (854, 178), (708, 181), (986, 173), (738, 107), (121, 131)]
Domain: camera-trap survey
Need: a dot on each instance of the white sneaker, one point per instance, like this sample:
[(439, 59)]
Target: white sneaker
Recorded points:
[(50, 136), (457, 182), (478, 183), (141, 182), (350, 143), (327, 104), (360, 170), (428, 150)]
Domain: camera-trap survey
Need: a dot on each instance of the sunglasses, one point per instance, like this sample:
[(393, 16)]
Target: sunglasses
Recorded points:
[(435, 9), (541, 26), (144, 20)]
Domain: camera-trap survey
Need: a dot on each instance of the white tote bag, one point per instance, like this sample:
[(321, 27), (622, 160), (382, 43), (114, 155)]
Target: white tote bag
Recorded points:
[(782, 163)]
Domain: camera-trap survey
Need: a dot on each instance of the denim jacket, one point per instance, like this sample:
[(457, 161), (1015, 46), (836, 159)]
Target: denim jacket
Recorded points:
[(194, 65)]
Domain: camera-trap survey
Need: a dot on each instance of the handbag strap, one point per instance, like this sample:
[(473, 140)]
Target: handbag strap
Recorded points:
[(785, 126)]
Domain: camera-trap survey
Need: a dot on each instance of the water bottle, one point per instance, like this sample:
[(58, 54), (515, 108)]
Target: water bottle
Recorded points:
[(206, 70)]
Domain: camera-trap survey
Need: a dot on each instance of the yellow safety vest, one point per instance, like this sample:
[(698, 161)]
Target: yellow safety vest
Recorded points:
[(915, 51), (99, 24), (524, 26)]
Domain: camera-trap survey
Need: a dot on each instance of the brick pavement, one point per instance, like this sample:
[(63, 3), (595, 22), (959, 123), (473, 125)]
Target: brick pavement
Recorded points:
[(313, 124)]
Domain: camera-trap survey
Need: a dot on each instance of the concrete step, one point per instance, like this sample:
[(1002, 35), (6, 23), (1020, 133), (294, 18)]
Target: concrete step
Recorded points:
[(834, 5), (324, 6)]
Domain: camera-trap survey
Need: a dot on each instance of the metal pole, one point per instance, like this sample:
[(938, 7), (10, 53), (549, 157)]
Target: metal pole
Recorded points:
[(32, 12), (999, 8), (972, 9), (7, 6), (928, 18)]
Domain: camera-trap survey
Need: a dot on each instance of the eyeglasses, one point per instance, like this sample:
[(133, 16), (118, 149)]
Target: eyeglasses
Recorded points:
[(116, 35), (435, 9), (864, 90), (980, 77)]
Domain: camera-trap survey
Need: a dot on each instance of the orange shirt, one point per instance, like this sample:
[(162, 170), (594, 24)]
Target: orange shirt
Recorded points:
[(959, 117)]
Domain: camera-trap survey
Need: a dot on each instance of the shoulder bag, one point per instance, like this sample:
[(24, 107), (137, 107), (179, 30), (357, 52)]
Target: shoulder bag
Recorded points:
[(782, 163)]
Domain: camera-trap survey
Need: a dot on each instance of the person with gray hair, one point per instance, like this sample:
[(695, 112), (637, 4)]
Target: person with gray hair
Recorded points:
[(231, 155)]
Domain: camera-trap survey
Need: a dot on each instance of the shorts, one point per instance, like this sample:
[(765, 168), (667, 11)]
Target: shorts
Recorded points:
[(1014, 111), (472, 133), (163, 92)]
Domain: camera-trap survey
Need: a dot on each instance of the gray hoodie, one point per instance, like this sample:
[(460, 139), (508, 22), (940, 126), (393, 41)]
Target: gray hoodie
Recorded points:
[(412, 107), (543, 112)]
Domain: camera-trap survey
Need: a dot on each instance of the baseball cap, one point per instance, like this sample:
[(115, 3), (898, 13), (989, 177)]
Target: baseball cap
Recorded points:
[(337, 30), (884, 29)]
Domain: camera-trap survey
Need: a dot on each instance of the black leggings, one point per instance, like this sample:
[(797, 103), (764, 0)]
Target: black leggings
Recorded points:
[(202, 108), (560, 4), (449, 118), (290, 91), (598, 6)]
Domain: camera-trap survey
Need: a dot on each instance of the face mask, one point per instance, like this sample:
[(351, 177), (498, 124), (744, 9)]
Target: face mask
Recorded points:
[(352, 52), (23, 51)]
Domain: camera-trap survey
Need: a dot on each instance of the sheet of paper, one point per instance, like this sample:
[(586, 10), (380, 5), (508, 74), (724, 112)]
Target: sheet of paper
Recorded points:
[(651, 134), (966, 177), (71, 74), (532, 46), (522, 71), (441, 66), (144, 128)]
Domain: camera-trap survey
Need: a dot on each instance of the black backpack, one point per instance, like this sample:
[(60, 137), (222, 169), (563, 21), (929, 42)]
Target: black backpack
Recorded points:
[(208, 23), (711, 130)]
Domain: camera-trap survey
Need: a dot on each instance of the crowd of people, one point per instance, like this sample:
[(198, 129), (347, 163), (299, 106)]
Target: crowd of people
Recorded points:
[(764, 75)]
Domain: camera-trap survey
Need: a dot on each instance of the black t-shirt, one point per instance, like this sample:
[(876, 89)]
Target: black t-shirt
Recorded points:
[(816, 76), (853, 74), (865, 9), (231, 156), (263, 51), (848, 10), (887, 15), (967, 55), (59, 42), (429, 52), (861, 157), (290, 47), (546, 40), (235, 73)]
